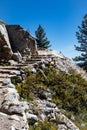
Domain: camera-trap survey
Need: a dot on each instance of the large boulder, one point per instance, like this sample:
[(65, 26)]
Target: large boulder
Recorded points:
[(14, 39), (20, 39), (5, 48)]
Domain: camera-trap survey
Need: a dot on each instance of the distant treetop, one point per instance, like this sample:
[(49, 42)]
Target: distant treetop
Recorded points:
[(82, 39), (42, 40)]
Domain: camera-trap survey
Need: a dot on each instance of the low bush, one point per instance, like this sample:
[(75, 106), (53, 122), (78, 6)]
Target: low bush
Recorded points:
[(69, 90), (16, 80), (45, 125)]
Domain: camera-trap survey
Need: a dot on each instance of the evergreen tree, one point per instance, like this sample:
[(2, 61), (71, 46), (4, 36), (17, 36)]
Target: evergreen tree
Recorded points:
[(42, 40), (82, 39)]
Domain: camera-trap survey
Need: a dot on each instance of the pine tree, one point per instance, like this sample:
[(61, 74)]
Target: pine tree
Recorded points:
[(42, 40), (82, 39)]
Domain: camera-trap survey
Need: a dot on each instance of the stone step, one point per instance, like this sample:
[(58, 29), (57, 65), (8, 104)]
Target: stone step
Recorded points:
[(7, 75), (9, 67), (5, 72), (30, 60), (3, 75), (39, 56), (14, 75), (21, 65), (45, 56), (27, 63), (8, 70), (33, 59)]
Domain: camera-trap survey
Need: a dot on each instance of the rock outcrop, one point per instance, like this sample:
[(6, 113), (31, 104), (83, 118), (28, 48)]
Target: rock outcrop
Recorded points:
[(14, 40), (5, 47), (3, 30), (21, 40), (60, 62)]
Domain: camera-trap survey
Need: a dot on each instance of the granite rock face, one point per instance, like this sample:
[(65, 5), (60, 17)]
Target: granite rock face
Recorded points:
[(5, 47), (14, 39), (61, 62), (21, 40)]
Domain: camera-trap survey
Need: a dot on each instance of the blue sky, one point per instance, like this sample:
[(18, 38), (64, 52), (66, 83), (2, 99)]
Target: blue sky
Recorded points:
[(59, 18)]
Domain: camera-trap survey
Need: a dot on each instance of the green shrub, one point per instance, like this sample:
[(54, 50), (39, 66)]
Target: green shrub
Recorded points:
[(45, 125), (15, 80), (69, 90)]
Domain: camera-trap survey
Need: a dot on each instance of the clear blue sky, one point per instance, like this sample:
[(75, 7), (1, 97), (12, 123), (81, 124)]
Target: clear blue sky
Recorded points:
[(59, 18)]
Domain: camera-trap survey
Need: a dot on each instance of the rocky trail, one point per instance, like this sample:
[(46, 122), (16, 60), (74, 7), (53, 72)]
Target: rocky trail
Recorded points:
[(7, 72), (12, 110), (11, 113), (14, 70)]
